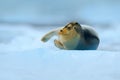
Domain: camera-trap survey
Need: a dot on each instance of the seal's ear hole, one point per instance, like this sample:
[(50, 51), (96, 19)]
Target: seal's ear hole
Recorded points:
[(74, 28)]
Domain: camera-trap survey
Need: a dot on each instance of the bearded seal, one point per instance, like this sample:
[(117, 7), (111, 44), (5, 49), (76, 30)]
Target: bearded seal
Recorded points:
[(74, 36)]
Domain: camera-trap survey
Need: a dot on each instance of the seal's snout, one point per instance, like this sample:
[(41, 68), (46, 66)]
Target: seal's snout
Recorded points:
[(61, 30)]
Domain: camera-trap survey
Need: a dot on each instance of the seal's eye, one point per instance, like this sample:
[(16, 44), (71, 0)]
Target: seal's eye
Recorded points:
[(69, 28)]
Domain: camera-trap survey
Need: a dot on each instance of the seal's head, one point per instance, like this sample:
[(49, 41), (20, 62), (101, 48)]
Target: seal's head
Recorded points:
[(70, 28)]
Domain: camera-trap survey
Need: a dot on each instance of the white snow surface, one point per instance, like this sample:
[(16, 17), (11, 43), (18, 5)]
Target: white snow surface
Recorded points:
[(24, 57)]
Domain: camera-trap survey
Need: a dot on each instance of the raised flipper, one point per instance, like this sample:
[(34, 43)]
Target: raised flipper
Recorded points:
[(50, 34)]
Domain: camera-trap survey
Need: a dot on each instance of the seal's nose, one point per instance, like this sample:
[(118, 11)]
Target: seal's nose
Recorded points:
[(61, 30)]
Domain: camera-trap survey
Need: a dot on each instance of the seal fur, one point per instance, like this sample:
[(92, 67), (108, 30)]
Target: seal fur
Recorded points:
[(74, 36)]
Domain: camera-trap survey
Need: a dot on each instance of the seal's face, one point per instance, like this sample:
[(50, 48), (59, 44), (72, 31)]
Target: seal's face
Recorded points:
[(69, 29), (69, 36)]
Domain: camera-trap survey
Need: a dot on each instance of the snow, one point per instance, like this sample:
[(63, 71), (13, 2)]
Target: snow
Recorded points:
[(56, 65), (24, 57)]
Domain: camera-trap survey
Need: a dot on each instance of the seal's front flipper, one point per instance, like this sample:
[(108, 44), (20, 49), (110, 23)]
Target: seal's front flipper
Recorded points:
[(58, 44)]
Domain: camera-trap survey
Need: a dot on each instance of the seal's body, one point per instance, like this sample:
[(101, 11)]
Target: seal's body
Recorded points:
[(74, 37)]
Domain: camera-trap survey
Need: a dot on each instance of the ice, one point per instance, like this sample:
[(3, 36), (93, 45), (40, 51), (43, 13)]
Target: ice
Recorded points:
[(24, 57), (40, 64)]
